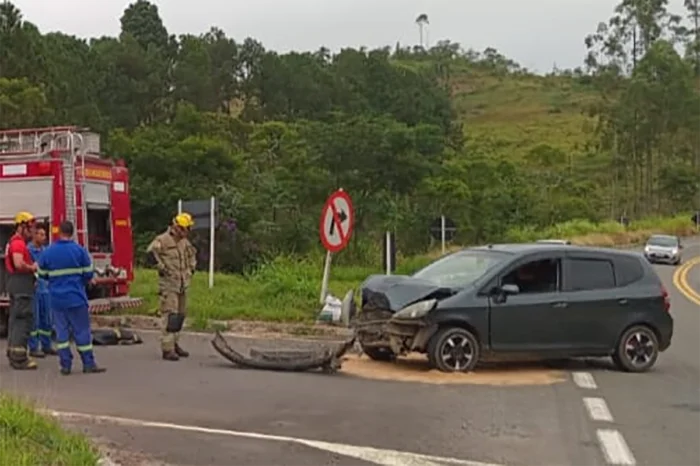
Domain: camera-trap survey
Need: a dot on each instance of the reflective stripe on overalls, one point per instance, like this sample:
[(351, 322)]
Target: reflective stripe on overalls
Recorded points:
[(64, 272)]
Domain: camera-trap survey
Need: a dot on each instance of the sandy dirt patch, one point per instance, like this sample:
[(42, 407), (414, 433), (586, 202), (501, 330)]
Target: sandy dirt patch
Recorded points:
[(414, 368)]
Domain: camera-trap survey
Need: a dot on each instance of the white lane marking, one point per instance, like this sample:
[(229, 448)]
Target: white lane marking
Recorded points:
[(615, 448), (585, 380), (598, 409), (379, 456)]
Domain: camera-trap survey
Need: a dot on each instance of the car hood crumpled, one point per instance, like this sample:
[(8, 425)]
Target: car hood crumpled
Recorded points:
[(394, 292)]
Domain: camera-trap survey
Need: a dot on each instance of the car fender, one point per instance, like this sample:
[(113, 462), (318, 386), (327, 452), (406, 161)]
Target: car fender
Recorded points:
[(475, 320), (639, 318), (423, 336)]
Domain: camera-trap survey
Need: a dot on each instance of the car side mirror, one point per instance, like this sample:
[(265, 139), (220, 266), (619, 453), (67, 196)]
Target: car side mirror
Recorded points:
[(509, 289)]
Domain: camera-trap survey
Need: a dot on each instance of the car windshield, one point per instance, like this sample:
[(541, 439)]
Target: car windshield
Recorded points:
[(460, 268), (664, 241)]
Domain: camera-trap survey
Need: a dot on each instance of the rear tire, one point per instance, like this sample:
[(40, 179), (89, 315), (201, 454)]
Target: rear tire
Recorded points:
[(637, 350), (453, 349), (379, 353)]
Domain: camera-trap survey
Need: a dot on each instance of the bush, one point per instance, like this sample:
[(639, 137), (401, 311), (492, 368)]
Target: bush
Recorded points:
[(584, 232), (29, 439)]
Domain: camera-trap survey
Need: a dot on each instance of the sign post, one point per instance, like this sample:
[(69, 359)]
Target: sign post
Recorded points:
[(335, 228), (443, 229), (389, 249), (212, 239), (204, 214)]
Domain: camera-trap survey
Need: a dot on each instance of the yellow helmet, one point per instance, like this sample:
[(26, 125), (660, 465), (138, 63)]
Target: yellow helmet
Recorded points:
[(23, 217), (184, 220)]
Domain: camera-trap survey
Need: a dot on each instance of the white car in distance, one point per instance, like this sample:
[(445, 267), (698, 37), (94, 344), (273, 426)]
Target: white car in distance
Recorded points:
[(663, 249)]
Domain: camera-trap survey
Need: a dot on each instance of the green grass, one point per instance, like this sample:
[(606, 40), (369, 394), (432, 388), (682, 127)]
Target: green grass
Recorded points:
[(514, 114), (29, 439), (287, 289)]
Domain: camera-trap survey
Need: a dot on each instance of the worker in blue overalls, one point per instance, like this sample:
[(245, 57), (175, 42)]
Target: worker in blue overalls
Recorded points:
[(40, 338), (68, 268)]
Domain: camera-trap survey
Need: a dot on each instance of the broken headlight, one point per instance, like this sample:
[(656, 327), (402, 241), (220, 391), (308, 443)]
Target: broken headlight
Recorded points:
[(416, 310)]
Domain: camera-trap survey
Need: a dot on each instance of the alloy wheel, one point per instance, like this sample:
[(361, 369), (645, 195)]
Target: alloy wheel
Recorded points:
[(639, 349), (457, 352)]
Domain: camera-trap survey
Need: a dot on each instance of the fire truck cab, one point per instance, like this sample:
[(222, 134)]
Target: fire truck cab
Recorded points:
[(59, 174)]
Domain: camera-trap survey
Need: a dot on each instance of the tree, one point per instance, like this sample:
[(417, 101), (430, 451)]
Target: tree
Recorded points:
[(422, 21), (142, 21), (22, 104), (693, 33), (272, 134)]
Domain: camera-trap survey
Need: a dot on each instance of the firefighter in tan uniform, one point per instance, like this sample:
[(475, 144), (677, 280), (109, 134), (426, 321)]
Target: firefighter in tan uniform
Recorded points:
[(176, 260)]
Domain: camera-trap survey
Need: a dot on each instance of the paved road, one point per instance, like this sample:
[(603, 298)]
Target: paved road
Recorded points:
[(212, 414), (659, 413)]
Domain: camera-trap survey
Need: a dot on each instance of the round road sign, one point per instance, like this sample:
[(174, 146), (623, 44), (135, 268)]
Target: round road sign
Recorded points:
[(337, 220)]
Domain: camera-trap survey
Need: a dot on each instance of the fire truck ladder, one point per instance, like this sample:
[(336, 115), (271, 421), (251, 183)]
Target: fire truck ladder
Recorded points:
[(71, 183)]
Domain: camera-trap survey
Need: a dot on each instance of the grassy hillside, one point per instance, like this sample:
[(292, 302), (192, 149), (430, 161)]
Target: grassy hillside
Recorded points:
[(516, 113)]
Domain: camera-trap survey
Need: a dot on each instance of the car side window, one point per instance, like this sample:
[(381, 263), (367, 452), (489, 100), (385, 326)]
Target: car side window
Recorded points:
[(627, 270), (585, 274), (538, 276)]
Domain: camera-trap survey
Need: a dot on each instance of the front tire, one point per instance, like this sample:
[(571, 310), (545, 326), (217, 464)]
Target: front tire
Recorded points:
[(453, 349), (637, 350)]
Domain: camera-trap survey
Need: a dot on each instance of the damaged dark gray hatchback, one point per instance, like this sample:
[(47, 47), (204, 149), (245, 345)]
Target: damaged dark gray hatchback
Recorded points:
[(508, 301)]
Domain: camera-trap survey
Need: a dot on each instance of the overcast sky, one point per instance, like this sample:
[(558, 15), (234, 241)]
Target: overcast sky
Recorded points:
[(535, 33)]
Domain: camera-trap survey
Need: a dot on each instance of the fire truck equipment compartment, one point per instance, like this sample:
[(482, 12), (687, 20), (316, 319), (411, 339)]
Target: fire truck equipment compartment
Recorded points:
[(18, 194)]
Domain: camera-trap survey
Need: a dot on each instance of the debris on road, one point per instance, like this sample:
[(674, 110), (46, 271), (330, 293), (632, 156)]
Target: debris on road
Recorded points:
[(331, 310), (114, 337), (328, 358), (415, 368)]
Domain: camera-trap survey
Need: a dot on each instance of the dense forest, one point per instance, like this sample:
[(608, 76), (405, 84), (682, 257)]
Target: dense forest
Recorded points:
[(410, 132)]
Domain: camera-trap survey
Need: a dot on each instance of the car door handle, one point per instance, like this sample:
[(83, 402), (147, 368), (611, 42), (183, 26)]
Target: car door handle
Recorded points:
[(622, 301), (560, 304)]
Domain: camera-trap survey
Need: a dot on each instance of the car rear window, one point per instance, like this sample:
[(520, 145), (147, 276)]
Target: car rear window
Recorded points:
[(628, 270), (590, 274)]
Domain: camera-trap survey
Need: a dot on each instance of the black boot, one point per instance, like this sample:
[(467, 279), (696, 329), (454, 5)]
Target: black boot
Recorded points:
[(24, 365), (20, 360), (50, 352), (170, 356), (181, 352), (37, 354)]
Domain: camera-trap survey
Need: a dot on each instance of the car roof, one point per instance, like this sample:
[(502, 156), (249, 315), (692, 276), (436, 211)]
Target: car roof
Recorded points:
[(526, 248), (663, 236)]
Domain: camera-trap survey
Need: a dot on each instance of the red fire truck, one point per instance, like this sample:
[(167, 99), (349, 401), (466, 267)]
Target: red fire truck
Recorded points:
[(59, 174)]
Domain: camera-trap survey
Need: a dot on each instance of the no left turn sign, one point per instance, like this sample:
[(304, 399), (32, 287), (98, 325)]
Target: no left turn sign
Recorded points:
[(337, 220)]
